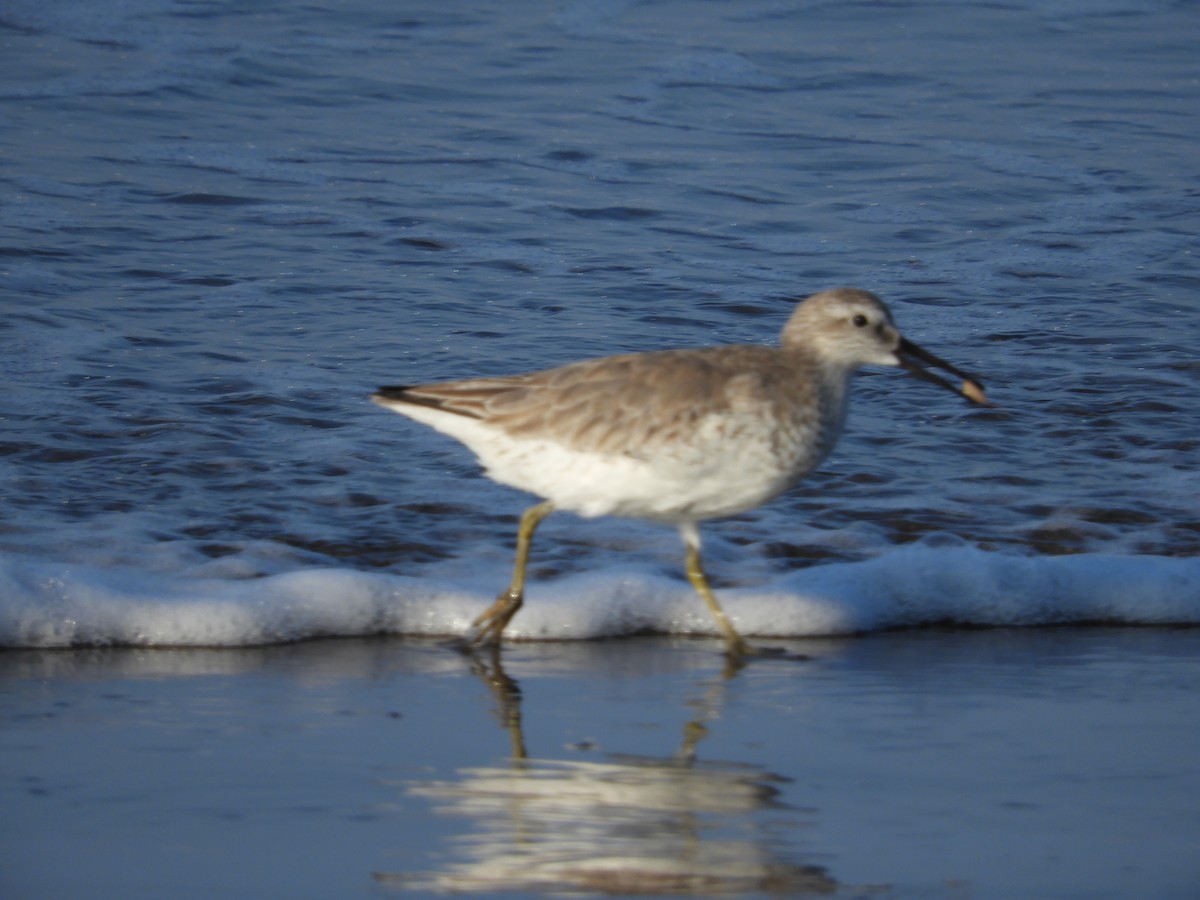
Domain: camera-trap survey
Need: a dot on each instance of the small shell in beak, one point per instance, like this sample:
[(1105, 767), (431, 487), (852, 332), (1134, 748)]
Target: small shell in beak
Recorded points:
[(917, 360), (973, 391)]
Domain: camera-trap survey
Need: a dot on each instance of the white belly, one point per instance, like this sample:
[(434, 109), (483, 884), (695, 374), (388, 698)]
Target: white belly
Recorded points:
[(721, 471)]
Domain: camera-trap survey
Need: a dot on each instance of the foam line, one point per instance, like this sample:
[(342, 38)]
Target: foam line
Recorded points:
[(48, 604)]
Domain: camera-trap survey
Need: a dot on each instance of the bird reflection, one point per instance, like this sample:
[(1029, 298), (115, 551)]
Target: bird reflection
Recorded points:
[(672, 825)]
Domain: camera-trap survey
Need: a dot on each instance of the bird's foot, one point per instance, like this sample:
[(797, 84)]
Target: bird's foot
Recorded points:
[(485, 631), (743, 652)]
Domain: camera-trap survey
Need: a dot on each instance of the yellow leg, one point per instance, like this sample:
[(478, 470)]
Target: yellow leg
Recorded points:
[(735, 644), (491, 623)]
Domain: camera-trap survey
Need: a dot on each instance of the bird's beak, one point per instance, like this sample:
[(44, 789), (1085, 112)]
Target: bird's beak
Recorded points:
[(914, 359)]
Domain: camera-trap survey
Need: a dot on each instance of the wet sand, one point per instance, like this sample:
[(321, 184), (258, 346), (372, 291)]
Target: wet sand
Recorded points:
[(1000, 763)]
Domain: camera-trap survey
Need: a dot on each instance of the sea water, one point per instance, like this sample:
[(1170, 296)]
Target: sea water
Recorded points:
[(225, 225)]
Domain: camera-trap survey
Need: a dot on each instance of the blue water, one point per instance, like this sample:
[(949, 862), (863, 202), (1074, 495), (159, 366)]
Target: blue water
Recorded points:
[(224, 225)]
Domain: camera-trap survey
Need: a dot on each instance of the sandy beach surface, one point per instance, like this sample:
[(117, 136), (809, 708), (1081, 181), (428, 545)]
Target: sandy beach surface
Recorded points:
[(970, 763)]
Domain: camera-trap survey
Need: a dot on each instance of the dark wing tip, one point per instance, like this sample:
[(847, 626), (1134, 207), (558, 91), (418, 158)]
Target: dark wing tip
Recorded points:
[(393, 392), (393, 396)]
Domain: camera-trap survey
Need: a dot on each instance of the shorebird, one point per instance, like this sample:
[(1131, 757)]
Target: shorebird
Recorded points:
[(672, 436)]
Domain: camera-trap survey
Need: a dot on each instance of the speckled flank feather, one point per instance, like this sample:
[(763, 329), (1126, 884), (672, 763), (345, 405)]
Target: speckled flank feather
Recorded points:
[(639, 403)]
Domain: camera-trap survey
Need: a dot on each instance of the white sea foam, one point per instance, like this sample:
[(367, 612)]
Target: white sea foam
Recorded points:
[(47, 604)]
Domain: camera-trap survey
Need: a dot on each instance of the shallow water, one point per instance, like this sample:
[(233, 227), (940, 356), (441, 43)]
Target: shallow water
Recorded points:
[(1050, 763), (224, 228)]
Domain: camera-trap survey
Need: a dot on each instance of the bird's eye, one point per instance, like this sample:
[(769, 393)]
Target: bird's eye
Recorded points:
[(860, 321)]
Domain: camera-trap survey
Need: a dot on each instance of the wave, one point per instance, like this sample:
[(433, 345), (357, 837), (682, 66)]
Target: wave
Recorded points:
[(46, 604)]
